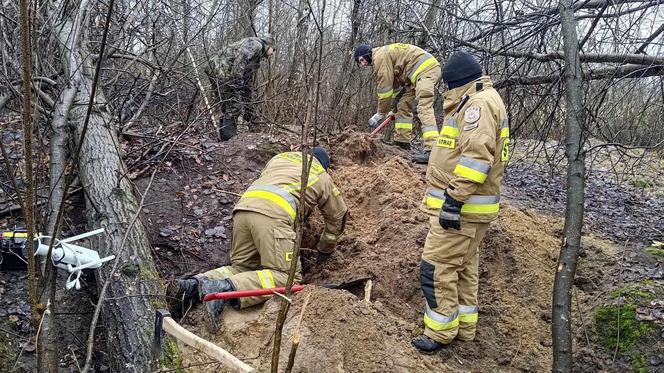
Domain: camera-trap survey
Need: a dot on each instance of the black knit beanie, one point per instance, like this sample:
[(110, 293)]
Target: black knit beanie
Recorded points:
[(460, 69)]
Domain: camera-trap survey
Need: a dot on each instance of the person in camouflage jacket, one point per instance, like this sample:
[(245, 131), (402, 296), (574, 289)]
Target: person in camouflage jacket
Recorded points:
[(231, 72)]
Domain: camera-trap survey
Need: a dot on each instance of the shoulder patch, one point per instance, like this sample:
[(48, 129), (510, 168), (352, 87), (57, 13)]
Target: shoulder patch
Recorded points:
[(472, 114)]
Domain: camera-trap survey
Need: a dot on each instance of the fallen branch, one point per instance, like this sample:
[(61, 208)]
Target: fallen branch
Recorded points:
[(625, 71)]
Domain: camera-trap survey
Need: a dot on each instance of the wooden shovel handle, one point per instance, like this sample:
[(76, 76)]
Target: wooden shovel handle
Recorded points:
[(207, 347)]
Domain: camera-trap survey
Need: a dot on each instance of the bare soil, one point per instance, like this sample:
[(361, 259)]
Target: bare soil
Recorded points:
[(383, 241)]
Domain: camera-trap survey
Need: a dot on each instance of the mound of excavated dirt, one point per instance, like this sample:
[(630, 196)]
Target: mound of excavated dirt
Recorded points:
[(383, 240), (353, 147), (339, 333)]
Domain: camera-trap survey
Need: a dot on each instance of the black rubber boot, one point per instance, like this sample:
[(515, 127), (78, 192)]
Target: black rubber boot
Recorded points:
[(181, 294), (403, 145), (214, 307), (422, 158), (227, 128), (426, 344)]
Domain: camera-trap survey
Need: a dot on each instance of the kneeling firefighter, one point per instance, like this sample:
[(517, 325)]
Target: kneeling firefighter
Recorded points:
[(264, 234)]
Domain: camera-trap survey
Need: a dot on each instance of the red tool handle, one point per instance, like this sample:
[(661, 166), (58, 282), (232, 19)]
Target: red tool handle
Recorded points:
[(250, 293), (385, 123)]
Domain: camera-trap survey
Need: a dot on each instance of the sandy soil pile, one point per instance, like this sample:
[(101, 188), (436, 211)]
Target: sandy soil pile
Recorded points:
[(383, 241)]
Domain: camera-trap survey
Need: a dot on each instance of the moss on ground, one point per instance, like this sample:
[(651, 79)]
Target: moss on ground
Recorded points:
[(655, 251), (634, 294), (5, 355), (618, 327), (171, 360), (642, 182)]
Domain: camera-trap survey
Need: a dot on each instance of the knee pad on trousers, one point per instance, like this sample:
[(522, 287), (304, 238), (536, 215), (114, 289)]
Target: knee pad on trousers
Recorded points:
[(426, 282)]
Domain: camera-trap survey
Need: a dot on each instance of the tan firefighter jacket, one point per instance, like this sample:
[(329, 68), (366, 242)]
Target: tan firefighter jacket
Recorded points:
[(396, 65), (469, 158), (276, 193)]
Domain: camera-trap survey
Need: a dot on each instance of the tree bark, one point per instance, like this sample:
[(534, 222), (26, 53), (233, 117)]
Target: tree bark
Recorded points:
[(427, 23), (134, 291), (574, 141), (342, 84), (303, 14)]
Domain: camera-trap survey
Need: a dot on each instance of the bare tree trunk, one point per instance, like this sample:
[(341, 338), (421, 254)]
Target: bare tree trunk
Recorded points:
[(342, 83), (29, 200), (246, 18), (575, 138), (134, 290), (303, 14), (428, 23)]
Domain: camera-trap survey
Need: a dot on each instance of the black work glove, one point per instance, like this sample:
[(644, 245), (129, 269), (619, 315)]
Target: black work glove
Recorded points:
[(326, 246), (450, 214)]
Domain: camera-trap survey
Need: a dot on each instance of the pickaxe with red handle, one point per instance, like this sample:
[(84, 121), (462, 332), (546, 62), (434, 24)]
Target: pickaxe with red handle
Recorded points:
[(387, 121), (271, 291)]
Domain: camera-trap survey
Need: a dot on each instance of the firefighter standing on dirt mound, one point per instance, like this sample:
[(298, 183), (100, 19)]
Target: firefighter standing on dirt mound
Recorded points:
[(264, 234), (462, 197), (416, 73), (231, 73)]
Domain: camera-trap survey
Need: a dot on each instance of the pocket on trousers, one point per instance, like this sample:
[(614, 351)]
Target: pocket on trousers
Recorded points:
[(284, 241), (447, 246)]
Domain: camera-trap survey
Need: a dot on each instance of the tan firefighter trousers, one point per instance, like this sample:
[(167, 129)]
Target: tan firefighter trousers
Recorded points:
[(424, 94), (261, 254), (449, 280)]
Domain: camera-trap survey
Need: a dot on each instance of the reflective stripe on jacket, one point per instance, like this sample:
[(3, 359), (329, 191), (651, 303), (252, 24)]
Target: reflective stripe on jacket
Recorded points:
[(469, 158), (395, 65), (276, 193)]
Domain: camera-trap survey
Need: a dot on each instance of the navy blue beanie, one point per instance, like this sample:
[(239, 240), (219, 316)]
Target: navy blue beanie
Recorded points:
[(460, 69), (322, 156), (363, 50)]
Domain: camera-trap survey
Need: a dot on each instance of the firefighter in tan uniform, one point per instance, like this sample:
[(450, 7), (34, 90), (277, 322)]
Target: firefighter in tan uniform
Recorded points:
[(462, 197), (416, 73), (264, 234)]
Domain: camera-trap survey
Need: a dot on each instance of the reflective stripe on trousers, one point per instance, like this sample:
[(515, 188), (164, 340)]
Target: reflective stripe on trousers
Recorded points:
[(468, 314), (267, 281), (429, 132), (476, 204), (437, 322), (403, 123), (385, 92)]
